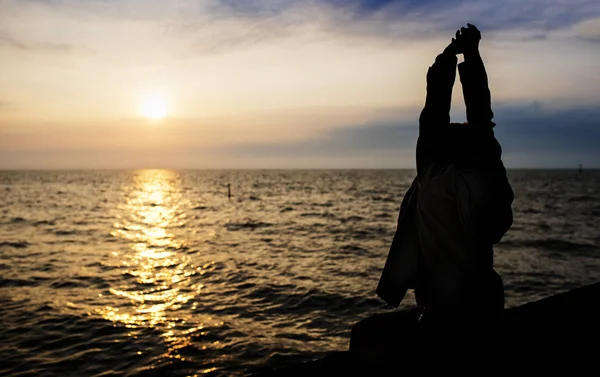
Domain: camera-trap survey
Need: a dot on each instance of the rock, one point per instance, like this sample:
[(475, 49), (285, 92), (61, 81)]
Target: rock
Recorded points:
[(334, 364), (581, 304), (388, 343)]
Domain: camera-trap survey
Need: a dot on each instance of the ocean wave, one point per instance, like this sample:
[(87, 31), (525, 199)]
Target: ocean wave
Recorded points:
[(327, 204), (250, 225), (325, 215), (387, 199), (61, 232), (529, 211), (44, 222), (552, 244), (353, 219), (15, 244), (582, 198), (6, 282), (88, 345), (277, 299), (351, 249), (69, 283)]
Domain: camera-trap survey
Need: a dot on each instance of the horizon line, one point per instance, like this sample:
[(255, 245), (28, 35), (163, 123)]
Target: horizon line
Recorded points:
[(260, 169)]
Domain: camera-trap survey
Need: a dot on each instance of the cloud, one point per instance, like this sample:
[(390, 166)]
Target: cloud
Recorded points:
[(8, 40), (531, 135), (537, 128), (590, 29), (435, 14), (218, 26), (233, 24), (251, 8), (339, 142)]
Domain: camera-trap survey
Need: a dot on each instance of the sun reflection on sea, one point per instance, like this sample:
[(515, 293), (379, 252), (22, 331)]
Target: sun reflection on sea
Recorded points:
[(156, 266)]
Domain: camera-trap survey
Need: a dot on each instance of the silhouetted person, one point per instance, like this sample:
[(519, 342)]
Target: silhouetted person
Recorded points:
[(459, 205)]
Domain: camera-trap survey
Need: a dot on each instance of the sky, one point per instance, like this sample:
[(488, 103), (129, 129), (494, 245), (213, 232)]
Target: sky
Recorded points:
[(127, 84)]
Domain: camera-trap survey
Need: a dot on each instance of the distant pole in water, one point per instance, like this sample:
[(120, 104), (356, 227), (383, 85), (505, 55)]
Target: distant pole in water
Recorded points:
[(580, 168), (229, 191)]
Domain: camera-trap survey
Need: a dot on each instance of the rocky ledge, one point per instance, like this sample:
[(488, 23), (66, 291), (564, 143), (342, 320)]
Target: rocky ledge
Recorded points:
[(566, 324)]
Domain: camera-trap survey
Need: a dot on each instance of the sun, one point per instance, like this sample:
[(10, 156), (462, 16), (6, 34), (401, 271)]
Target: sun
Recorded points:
[(154, 106)]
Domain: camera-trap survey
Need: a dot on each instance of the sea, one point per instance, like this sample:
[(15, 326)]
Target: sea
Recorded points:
[(160, 272)]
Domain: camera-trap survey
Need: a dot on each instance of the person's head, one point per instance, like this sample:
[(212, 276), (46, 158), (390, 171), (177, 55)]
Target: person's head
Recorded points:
[(469, 145)]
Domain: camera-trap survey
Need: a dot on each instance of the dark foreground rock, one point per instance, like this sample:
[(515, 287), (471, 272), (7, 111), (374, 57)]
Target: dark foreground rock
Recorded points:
[(566, 324)]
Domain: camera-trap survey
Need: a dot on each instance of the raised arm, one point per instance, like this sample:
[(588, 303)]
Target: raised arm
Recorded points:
[(440, 80), (474, 80), (436, 113)]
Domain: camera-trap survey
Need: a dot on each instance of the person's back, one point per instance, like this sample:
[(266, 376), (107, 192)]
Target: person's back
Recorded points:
[(460, 203)]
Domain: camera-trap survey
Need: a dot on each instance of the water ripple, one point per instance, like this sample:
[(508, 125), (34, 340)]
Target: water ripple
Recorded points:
[(160, 273)]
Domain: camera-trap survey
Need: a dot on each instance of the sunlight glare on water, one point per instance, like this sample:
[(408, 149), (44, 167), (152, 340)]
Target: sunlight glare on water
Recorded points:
[(155, 264)]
